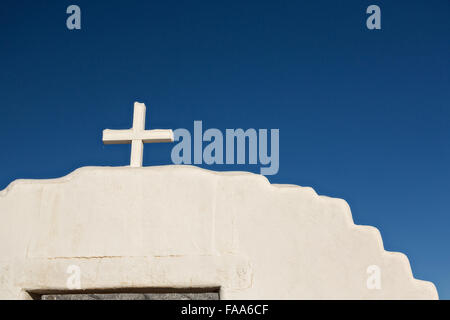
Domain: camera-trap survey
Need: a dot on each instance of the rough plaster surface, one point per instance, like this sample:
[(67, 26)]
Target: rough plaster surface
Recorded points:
[(185, 227)]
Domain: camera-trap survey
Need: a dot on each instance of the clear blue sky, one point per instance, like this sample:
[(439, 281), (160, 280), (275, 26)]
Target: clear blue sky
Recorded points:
[(363, 115)]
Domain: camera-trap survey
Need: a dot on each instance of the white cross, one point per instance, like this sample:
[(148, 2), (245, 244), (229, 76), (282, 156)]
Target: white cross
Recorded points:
[(137, 135)]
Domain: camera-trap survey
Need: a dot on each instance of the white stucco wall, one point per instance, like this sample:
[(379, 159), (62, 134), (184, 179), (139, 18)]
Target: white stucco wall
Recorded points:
[(181, 226)]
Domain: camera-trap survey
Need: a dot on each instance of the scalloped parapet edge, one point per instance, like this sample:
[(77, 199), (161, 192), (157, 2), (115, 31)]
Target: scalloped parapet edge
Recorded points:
[(369, 231)]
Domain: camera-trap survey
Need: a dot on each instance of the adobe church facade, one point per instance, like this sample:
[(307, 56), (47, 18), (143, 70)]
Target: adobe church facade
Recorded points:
[(185, 229), (182, 227)]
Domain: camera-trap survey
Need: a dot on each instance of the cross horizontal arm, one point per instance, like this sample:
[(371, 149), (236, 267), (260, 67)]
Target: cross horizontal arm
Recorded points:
[(155, 136), (117, 136), (126, 136)]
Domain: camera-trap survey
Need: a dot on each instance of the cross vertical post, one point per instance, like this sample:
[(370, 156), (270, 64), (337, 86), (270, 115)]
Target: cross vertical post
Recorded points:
[(137, 146)]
